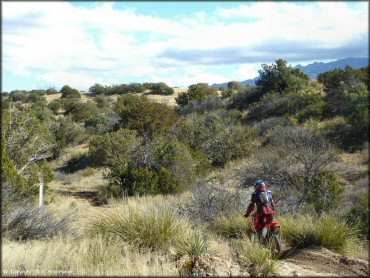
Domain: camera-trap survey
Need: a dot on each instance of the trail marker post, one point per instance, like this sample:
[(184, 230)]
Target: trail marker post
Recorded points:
[(41, 193)]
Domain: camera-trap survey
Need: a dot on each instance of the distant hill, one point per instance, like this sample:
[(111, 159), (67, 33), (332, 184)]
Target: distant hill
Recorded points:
[(314, 69)]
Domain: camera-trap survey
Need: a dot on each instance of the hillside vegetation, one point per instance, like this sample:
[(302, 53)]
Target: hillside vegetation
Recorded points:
[(144, 179)]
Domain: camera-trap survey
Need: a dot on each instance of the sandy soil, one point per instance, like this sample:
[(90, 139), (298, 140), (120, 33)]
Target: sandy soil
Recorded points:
[(319, 261)]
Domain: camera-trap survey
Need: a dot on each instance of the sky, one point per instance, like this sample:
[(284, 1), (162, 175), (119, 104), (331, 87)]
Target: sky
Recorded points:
[(52, 44)]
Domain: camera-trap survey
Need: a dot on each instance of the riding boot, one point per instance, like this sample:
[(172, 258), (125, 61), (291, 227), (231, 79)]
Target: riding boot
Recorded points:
[(263, 235)]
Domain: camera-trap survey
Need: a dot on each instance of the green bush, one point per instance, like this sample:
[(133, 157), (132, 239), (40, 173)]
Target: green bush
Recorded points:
[(141, 181), (68, 92), (198, 91), (98, 89), (161, 166), (326, 193), (281, 78), (26, 144), (302, 105), (358, 215), (98, 124), (161, 89), (152, 228), (66, 133), (202, 106), (114, 148), (331, 232), (82, 111), (244, 98), (220, 138), (145, 116), (18, 96)]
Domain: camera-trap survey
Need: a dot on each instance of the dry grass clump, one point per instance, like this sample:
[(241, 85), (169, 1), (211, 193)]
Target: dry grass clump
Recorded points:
[(98, 256), (254, 258), (23, 220), (235, 226), (145, 227), (327, 231)]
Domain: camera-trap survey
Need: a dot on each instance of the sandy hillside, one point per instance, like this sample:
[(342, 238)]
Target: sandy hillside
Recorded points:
[(169, 100)]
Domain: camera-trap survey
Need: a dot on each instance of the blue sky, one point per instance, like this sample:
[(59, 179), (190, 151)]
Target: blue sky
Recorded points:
[(50, 44)]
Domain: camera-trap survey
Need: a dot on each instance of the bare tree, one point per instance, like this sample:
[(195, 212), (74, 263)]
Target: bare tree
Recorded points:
[(290, 160)]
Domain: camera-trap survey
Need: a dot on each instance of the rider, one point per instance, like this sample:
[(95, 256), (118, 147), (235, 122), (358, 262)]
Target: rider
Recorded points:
[(266, 206)]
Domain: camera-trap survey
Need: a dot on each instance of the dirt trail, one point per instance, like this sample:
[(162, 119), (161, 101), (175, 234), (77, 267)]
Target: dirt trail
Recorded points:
[(319, 261)]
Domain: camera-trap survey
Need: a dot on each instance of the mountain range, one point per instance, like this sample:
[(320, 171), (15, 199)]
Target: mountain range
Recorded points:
[(314, 69)]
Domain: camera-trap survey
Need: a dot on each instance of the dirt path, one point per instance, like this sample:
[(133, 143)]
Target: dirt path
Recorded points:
[(90, 196), (319, 261)]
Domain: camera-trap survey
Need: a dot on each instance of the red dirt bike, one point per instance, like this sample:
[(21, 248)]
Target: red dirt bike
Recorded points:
[(268, 235)]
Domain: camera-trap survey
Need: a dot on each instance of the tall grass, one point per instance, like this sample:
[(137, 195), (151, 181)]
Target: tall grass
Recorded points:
[(254, 258), (196, 245), (98, 256), (234, 226), (328, 231), (153, 228)]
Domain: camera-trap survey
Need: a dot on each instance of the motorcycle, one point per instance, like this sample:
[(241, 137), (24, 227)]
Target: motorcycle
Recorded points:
[(268, 235)]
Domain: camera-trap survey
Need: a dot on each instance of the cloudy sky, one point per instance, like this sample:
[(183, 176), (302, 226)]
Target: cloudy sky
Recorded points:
[(50, 44)]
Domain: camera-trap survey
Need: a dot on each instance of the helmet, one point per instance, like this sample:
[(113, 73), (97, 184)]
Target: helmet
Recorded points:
[(259, 184)]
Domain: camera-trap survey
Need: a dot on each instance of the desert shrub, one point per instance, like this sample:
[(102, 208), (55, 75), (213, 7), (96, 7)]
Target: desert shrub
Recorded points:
[(143, 180), (98, 124), (101, 101), (51, 91), (18, 96), (66, 133), (26, 144), (211, 200), (235, 86), (266, 125), (335, 78), (160, 165), (161, 89), (227, 93), (152, 228), (328, 231), (291, 160), (37, 99), (244, 98), (220, 138), (145, 116), (68, 92), (257, 260), (326, 193), (82, 111), (113, 148), (55, 105), (196, 92), (135, 88), (22, 220), (302, 105), (281, 78), (358, 215), (64, 104), (233, 226), (202, 106), (339, 132), (98, 89)]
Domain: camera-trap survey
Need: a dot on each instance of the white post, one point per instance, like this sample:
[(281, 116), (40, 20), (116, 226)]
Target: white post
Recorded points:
[(41, 194)]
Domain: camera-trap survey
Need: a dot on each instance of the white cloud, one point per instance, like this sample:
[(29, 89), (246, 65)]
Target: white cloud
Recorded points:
[(78, 80), (246, 71), (77, 43)]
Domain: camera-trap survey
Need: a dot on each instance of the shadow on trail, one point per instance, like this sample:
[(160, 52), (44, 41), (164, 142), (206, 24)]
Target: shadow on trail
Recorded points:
[(90, 196)]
